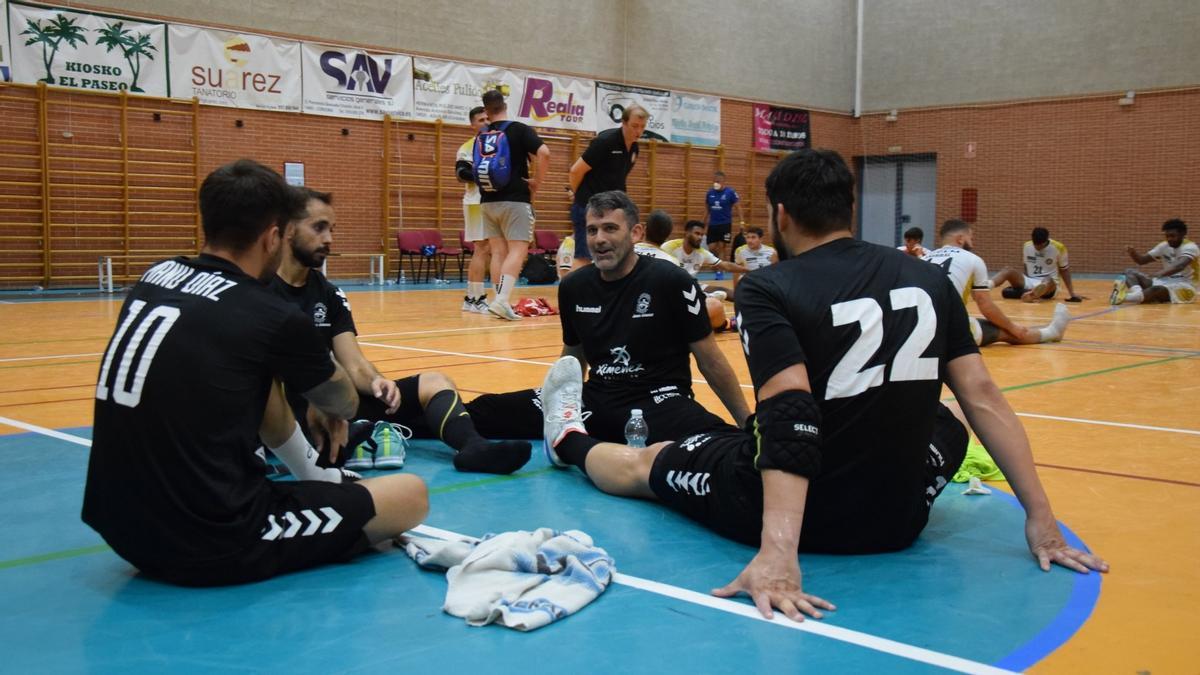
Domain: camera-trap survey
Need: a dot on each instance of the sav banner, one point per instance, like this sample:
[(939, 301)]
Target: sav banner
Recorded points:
[(87, 51), (234, 69), (446, 90), (558, 102), (613, 99), (695, 119), (780, 128), (345, 82)]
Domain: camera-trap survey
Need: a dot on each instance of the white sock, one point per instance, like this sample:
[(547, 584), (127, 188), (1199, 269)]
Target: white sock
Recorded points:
[(1134, 295), (507, 281), (301, 459), (1058, 325), (476, 290)]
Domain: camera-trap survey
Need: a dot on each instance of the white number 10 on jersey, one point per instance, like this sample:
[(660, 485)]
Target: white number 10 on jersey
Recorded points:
[(125, 392), (849, 378)]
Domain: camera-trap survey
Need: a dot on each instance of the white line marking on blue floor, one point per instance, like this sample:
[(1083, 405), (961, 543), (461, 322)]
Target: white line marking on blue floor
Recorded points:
[(821, 628)]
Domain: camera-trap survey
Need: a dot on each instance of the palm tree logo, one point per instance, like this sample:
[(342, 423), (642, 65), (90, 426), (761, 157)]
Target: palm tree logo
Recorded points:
[(133, 47), (58, 30)]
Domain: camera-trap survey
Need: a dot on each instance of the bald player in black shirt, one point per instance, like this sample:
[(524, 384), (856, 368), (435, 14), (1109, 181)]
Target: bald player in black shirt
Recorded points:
[(848, 345), (186, 389)]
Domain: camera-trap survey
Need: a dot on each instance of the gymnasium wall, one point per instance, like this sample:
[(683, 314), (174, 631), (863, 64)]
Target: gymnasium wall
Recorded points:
[(937, 52)]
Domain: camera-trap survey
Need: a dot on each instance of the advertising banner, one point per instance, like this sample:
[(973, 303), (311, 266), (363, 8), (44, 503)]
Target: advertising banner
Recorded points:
[(87, 51), (5, 70), (557, 102), (780, 128), (695, 119), (346, 82), (446, 90), (613, 99), (236, 70)]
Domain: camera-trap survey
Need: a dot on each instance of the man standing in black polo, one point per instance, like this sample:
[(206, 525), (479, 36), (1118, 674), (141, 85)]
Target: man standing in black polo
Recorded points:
[(603, 167)]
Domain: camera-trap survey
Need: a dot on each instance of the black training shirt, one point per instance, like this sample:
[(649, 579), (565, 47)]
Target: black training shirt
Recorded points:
[(611, 162), (523, 141)]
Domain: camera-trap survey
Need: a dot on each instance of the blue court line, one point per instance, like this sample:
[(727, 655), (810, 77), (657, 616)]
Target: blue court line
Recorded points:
[(1070, 618)]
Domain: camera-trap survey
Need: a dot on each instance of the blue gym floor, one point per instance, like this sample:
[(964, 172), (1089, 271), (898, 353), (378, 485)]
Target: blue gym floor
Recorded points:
[(967, 590)]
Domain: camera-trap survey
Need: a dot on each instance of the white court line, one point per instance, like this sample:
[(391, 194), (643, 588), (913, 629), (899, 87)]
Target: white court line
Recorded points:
[(43, 358), (501, 327), (493, 358), (1103, 423), (744, 610), (77, 440)]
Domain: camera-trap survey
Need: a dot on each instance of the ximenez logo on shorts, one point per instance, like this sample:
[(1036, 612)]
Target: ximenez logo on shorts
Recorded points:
[(540, 104)]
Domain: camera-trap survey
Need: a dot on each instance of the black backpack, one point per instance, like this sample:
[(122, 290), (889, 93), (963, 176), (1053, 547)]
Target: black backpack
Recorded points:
[(538, 271)]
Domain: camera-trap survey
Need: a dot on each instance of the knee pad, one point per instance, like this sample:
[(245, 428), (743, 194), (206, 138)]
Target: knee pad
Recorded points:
[(1012, 293)]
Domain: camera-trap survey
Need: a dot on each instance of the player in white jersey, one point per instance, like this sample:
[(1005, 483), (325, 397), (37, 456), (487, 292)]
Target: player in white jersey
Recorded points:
[(968, 273), (1046, 266), (476, 298), (913, 237), (1180, 275), (754, 254), (694, 257)]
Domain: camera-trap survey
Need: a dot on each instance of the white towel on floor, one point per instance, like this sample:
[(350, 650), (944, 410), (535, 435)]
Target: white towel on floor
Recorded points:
[(523, 580)]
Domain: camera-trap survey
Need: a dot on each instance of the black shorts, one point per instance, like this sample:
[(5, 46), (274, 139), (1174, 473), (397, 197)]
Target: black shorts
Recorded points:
[(711, 479), (719, 232), (308, 524), (670, 412)]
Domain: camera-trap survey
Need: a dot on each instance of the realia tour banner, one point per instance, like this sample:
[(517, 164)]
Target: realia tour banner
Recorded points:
[(556, 101), (613, 99), (780, 128), (347, 82), (695, 119), (447, 91), (237, 70), (86, 51)]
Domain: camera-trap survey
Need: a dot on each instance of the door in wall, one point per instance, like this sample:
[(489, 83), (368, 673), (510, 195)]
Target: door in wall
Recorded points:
[(897, 193)]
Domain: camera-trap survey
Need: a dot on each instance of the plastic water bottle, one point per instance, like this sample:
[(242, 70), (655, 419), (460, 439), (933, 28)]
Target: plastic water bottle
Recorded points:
[(636, 430)]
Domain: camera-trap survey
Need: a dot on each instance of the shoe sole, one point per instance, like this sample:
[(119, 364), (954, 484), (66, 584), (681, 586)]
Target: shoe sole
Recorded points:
[(560, 372), (510, 316)]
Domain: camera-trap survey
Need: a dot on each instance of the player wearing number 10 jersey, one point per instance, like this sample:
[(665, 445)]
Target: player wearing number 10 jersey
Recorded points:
[(848, 345), (185, 391)]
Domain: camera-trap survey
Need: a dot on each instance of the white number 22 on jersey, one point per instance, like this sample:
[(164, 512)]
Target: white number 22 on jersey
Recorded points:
[(849, 378), (126, 393)]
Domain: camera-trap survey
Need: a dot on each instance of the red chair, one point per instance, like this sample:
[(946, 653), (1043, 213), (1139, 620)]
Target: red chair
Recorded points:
[(410, 243), (435, 237), (546, 241)]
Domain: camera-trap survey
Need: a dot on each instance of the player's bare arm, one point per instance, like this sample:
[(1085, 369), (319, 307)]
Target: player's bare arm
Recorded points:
[(368, 381), (720, 376)]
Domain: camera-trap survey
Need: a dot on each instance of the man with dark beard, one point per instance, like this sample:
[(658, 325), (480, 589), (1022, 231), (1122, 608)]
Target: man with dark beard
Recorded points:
[(427, 403)]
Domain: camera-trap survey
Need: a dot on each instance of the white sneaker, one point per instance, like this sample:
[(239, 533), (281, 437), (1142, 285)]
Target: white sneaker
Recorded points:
[(562, 403), (719, 295), (503, 310), (480, 306), (468, 304)]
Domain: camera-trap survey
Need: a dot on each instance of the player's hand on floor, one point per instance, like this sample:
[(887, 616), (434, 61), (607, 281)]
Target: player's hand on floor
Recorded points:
[(1048, 546), (1077, 298), (386, 391), (773, 582)]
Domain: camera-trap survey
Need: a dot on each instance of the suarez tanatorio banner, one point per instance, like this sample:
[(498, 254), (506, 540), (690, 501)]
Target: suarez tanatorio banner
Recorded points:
[(780, 128), (613, 99), (695, 119), (237, 70), (556, 101), (87, 51), (346, 82), (447, 91)]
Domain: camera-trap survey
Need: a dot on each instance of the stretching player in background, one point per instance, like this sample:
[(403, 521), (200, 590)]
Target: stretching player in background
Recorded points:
[(1046, 266), (1178, 279), (754, 254), (968, 273), (841, 456), (565, 257), (694, 257), (913, 237), (426, 403)]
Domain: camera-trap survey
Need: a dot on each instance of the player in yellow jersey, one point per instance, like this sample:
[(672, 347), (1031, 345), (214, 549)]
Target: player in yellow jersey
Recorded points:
[(1176, 282), (1046, 266), (968, 273)]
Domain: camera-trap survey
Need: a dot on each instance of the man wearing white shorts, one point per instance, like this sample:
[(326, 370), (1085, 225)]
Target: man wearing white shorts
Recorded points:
[(1180, 275), (1046, 267), (476, 298)]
